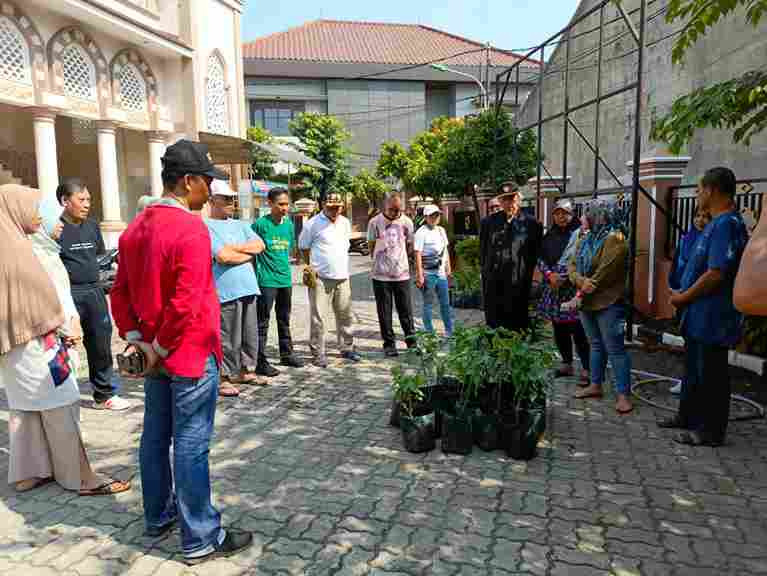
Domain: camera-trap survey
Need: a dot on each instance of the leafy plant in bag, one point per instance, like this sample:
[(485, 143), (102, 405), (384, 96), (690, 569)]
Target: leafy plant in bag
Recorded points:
[(408, 389)]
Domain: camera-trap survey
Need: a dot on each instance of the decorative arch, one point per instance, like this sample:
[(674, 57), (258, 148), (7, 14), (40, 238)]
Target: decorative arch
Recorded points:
[(216, 94), (73, 51), (22, 55), (132, 82)]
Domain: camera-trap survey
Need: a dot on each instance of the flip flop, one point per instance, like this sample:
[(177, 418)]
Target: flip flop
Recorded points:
[(106, 489), (253, 379), (228, 391), (625, 411), (38, 482), (582, 394)]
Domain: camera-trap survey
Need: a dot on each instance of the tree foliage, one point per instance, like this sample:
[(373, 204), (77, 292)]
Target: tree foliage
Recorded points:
[(456, 153), (324, 138), (262, 162), (739, 105), (366, 187)]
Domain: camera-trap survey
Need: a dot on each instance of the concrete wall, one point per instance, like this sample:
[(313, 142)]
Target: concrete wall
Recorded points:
[(376, 111), (731, 48)]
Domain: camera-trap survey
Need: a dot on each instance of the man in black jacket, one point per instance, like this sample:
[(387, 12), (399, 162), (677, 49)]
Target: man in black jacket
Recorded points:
[(510, 242)]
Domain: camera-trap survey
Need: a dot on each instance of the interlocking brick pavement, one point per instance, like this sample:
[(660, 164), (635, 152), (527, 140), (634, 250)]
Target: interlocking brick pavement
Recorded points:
[(311, 466)]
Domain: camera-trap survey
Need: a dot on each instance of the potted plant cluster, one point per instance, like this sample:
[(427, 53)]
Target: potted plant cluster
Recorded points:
[(488, 389)]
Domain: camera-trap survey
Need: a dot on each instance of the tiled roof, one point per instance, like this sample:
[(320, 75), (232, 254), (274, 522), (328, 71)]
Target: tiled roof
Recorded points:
[(351, 42)]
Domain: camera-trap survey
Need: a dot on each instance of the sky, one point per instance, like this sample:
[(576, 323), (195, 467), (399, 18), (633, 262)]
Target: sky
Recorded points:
[(506, 24)]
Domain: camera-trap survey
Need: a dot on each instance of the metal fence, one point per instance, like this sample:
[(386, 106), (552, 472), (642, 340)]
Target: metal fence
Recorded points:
[(683, 201)]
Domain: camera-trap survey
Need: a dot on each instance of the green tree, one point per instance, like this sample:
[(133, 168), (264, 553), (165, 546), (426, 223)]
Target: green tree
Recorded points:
[(368, 188), (325, 139), (262, 162), (739, 104), (392, 161), (427, 171)]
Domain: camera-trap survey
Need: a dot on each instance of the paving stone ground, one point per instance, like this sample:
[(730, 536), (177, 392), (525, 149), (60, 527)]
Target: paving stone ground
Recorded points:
[(311, 466)]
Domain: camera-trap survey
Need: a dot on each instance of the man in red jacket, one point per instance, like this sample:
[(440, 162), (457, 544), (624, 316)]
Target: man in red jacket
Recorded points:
[(164, 302)]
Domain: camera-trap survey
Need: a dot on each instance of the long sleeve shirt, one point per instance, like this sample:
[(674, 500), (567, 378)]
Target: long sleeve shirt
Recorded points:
[(164, 292), (609, 274)]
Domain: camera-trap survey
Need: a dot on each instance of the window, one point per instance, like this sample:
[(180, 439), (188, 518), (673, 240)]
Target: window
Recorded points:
[(14, 55), (132, 88), (275, 115), (79, 73), (215, 97)]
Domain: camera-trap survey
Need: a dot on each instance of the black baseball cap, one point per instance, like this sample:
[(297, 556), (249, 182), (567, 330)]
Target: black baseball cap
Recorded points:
[(187, 157)]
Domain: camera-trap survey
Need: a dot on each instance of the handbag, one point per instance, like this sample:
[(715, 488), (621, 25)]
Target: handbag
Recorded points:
[(434, 261)]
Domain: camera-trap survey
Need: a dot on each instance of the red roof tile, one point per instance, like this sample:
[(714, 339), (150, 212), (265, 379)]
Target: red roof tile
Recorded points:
[(340, 41)]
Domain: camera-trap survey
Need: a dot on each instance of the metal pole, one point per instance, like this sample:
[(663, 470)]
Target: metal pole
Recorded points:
[(487, 80), (566, 123), (539, 160), (635, 167), (599, 101)]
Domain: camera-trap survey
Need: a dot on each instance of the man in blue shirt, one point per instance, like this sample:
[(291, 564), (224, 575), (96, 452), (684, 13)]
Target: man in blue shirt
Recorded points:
[(235, 246), (710, 322)]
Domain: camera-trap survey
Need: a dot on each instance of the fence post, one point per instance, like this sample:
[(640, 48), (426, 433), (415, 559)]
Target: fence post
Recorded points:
[(658, 175)]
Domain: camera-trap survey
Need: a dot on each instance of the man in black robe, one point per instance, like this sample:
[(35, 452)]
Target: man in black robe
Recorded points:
[(510, 243)]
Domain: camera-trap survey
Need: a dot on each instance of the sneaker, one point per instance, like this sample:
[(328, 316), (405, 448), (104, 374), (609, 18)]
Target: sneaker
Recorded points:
[(159, 532), (676, 389), (320, 362), (351, 356), (235, 541), (115, 403), (267, 370), (391, 352), (292, 362)]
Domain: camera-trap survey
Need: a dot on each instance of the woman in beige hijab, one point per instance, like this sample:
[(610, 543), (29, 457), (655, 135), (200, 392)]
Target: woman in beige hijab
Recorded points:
[(36, 320)]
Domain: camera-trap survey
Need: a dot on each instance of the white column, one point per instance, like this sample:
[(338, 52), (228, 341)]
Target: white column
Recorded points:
[(112, 223), (44, 122), (156, 142)]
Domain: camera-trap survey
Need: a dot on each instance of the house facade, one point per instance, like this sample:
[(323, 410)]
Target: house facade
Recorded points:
[(375, 77), (96, 89)]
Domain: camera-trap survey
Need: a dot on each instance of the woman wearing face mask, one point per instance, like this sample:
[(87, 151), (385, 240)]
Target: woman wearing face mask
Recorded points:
[(557, 288), (599, 274), (37, 324), (432, 264)]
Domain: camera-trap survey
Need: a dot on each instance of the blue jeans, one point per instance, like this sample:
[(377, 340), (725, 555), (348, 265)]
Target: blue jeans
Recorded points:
[(606, 332), (436, 283), (182, 409)]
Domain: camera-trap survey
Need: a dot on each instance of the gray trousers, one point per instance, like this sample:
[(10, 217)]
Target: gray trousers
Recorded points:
[(335, 294), (239, 336)]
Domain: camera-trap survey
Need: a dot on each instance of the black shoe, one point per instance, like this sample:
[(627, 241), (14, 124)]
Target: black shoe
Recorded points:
[(320, 362), (351, 356), (267, 370), (391, 352), (673, 422), (161, 531), (234, 542), (292, 362)]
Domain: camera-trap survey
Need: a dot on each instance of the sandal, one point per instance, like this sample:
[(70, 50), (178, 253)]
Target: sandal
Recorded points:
[(227, 390), (564, 372), (587, 392), (32, 483), (253, 379), (107, 489)]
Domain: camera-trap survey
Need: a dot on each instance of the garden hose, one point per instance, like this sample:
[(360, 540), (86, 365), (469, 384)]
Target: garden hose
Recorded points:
[(651, 378)]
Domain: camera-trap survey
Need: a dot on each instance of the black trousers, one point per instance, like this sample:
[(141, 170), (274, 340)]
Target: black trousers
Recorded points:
[(564, 335), (505, 311), (280, 299), (97, 336), (705, 402), (399, 292)]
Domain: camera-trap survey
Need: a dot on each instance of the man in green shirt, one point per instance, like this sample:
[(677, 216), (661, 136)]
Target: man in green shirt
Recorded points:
[(275, 280)]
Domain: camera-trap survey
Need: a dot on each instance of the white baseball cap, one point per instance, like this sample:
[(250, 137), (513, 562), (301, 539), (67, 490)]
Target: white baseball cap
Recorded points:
[(431, 209), (564, 204), (221, 188)]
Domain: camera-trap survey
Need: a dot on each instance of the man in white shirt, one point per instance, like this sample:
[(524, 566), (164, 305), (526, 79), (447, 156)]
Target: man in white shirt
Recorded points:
[(324, 245)]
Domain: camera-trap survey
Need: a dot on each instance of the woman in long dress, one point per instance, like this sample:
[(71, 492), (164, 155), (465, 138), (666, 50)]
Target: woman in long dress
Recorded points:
[(37, 325)]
